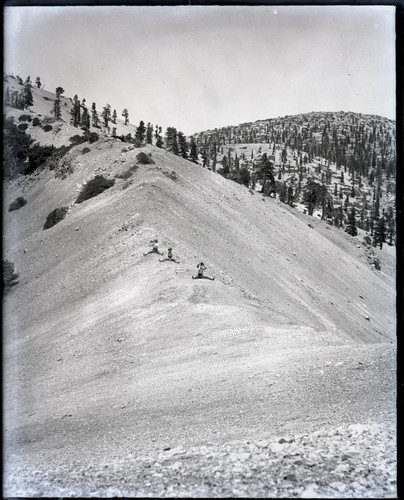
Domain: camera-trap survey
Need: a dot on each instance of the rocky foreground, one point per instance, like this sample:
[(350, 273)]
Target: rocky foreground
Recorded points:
[(349, 461)]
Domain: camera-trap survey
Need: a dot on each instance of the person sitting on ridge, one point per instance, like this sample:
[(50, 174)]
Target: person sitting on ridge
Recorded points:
[(155, 248), (169, 256), (201, 267)]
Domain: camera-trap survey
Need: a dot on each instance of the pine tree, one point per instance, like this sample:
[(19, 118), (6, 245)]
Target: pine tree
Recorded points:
[(125, 114), (106, 114), (265, 173), (351, 227), (75, 112), (16, 100), (171, 140), (85, 117), (312, 195), (158, 137), (325, 201), (390, 225), (114, 116), (291, 197), (38, 82), (193, 153), (346, 202), (225, 170), (140, 132), (379, 236), (28, 99), (214, 159), (182, 145), (339, 217), (94, 116), (56, 104), (282, 190), (149, 133)]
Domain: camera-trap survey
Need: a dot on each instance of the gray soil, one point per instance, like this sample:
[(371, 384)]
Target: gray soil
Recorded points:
[(125, 377)]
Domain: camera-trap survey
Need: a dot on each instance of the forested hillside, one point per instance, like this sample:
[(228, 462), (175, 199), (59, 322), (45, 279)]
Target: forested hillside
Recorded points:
[(338, 166)]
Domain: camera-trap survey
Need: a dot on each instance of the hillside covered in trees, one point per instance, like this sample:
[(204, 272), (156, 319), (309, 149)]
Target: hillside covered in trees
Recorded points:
[(339, 167)]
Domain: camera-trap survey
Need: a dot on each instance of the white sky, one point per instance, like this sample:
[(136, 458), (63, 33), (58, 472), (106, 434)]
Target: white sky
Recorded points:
[(196, 68)]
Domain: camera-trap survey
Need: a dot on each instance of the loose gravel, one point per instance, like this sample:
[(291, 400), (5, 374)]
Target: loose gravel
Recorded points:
[(349, 461)]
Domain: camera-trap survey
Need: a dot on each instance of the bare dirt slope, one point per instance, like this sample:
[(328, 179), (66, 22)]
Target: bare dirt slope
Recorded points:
[(109, 352)]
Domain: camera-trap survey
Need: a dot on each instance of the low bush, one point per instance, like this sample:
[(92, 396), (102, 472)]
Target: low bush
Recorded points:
[(36, 122), (78, 139), (93, 137), (55, 216), (144, 158), (60, 152), (46, 120), (37, 156), (23, 126), (172, 175), (24, 118), (63, 168), (47, 98), (10, 277), (17, 204), (85, 151), (47, 128), (94, 187)]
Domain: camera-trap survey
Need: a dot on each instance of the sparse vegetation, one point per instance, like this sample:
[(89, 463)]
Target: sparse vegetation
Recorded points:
[(24, 118), (63, 169), (172, 175), (77, 139), (10, 277), (55, 216), (16, 145), (37, 157), (17, 204), (93, 137), (94, 187), (144, 158)]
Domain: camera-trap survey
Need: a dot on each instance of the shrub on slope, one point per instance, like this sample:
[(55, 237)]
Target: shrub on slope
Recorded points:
[(55, 216), (144, 158), (17, 204), (10, 277), (94, 187)]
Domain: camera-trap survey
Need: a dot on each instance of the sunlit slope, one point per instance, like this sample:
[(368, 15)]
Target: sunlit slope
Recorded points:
[(256, 247), (94, 325)]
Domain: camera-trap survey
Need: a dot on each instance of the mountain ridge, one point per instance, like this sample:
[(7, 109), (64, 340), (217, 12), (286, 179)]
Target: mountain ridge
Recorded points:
[(110, 352)]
